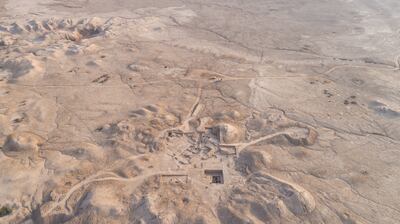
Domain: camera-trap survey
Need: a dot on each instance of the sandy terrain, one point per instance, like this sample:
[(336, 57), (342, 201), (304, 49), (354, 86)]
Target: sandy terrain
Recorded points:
[(183, 111)]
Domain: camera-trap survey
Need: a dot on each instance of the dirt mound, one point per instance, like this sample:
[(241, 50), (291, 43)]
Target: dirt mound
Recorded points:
[(226, 133), (21, 69), (22, 145), (142, 132), (69, 29), (172, 203), (266, 198)]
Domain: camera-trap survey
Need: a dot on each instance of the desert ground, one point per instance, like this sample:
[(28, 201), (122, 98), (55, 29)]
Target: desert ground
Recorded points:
[(207, 111)]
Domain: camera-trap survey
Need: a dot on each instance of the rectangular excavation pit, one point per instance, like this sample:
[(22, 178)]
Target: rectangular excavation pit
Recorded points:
[(215, 176), (174, 178), (228, 150)]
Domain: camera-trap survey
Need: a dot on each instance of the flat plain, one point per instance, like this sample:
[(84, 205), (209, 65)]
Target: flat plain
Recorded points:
[(184, 111)]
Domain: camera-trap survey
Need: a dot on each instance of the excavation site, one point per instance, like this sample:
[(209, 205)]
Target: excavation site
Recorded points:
[(200, 111)]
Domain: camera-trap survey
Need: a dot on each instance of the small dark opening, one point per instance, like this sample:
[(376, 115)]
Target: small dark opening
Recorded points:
[(217, 176), (216, 180)]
